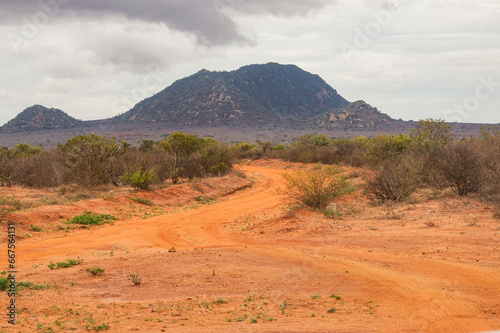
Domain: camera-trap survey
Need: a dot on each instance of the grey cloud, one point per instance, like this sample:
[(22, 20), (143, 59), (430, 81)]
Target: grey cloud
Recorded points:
[(206, 20), (285, 8)]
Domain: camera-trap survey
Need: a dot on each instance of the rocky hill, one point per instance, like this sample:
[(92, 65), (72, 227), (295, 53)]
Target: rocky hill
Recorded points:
[(354, 115), (38, 117), (251, 95)]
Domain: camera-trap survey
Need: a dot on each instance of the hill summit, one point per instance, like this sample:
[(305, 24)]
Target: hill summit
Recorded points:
[(38, 117), (254, 94)]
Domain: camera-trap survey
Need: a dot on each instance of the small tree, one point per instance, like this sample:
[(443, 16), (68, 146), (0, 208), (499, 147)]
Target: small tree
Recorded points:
[(180, 146), (92, 158), (431, 135), (384, 147), (317, 188), (147, 146), (265, 145), (214, 157)]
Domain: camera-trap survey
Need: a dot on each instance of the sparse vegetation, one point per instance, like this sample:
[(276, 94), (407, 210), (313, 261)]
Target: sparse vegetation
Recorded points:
[(89, 218), (203, 199), (142, 201), (4, 281), (65, 264), (95, 270), (135, 278), (102, 327), (35, 228)]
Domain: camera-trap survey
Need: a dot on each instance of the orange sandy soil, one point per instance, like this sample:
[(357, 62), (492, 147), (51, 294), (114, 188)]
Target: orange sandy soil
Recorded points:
[(244, 263)]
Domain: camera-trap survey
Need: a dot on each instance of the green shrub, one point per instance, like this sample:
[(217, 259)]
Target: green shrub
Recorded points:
[(4, 281), (141, 179), (89, 218), (102, 327), (11, 201), (35, 228), (384, 147), (317, 188), (6, 180)]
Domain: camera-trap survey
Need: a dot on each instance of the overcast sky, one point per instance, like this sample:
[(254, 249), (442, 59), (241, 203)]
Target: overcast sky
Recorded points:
[(95, 59)]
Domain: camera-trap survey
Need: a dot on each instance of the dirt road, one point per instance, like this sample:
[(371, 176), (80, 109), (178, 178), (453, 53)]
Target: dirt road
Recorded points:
[(241, 258)]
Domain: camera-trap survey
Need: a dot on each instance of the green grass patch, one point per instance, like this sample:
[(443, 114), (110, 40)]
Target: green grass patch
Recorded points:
[(89, 218), (203, 199), (142, 201), (65, 264), (35, 228), (95, 270)]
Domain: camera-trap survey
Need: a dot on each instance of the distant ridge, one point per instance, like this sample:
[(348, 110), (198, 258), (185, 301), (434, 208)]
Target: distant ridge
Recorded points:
[(38, 117)]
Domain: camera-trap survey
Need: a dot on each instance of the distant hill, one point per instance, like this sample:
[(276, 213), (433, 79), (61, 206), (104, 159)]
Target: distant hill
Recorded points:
[(251, 95), (354, 115), (39, 117)]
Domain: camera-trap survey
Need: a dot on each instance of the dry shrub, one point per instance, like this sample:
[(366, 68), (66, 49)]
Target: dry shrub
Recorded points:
[(137, 159), (459, 167), (40, 171), (489, 152), (351, 153), (395, 180)]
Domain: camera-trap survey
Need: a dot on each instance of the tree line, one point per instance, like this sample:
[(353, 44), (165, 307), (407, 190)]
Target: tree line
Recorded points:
[(429, 156)]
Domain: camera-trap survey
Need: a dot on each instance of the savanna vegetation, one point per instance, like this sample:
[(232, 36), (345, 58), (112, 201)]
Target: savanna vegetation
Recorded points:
[(92, 160), (428, 157)]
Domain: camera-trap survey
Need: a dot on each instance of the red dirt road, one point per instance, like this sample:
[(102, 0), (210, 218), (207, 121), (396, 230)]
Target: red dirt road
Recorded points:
[(242, 266)]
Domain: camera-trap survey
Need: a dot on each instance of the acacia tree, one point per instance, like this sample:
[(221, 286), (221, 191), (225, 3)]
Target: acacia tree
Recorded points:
[(180, 146), (92, 159), (265, 145)]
